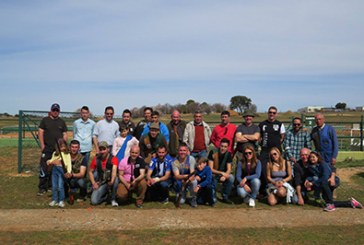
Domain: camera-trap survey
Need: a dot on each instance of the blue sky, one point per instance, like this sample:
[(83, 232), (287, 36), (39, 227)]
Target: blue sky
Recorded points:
[(133, 53)]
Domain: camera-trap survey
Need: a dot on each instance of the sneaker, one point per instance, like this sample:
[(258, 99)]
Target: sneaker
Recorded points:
[(251, 202), (61, 204), (165, 201), (193, 202), (81, 199), (329, 207), (183, 198), (355, 203), (53, 203), (114, 203), (41, 192), (139, 205)]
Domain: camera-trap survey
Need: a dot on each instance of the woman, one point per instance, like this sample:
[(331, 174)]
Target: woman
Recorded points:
[(279, 174), (325, 182), (248, 174)]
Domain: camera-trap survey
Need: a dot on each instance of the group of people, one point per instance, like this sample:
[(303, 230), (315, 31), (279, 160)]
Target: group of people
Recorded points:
[(152, 158)]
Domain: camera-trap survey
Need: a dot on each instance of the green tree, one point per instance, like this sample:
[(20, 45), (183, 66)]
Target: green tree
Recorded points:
[(341, 106), (240, 103)]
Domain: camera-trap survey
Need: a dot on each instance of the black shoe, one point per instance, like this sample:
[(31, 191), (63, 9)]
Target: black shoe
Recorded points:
[(227, 201)]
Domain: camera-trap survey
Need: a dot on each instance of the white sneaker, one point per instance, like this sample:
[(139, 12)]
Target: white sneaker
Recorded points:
[(53, 203), (114, 203), (61, 204), (251, 202)]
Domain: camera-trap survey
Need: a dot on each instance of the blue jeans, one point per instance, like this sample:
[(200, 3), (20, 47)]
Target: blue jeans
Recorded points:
[(198, 155), (226, 186), (254, 186), (100, 195), (177, 186), (58, 184), (86, 155)]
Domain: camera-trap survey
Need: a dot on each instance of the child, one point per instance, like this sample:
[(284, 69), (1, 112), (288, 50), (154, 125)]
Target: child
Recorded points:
[(122, 143), (205, 183), (58, 172)]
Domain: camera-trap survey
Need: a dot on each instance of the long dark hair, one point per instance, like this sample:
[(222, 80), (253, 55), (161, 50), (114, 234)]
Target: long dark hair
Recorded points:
[(59, 143)]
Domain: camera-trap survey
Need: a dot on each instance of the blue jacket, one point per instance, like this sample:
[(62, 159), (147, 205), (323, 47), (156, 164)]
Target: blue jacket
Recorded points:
[(206, 177), (162, 128), (326, 142), (254, 174)]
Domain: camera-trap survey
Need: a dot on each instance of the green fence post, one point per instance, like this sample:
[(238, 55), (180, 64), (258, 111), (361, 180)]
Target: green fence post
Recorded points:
[(20, 141)]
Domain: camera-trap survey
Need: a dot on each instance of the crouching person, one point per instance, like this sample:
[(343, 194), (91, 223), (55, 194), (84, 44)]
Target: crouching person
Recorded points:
[(77, 179), (132, 177), (102, 173), (183, 168), (159, 176), (247, 174), (205, 184)]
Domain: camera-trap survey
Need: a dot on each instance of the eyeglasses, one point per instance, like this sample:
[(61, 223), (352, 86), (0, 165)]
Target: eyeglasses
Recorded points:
[(297, 124), (272, 112), (55, 110), (248, 153)]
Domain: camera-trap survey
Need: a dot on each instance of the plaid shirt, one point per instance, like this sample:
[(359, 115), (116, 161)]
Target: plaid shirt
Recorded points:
[(294, 142)]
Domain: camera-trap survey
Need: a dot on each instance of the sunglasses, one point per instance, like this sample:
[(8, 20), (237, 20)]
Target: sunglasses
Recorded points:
[(272, 112), (248, 153), (55, 110), (274, 154), (296, 124)]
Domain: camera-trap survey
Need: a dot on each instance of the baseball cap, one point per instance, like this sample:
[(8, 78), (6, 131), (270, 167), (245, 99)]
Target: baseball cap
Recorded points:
[(55, 106), (103, 144), (154, 125)]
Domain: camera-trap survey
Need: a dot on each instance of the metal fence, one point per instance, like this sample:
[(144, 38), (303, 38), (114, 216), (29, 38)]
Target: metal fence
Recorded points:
[(350, 134)]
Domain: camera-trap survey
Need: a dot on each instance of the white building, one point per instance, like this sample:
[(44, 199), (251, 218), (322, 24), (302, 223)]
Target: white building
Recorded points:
[(313, 108)]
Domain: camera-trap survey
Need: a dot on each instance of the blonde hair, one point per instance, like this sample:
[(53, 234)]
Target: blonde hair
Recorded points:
[(280, 159)]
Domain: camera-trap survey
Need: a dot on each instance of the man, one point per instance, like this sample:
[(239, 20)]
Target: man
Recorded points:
[(132, 177), (126, 121), (272, 134), (106, 129), (102, 175), (224, 130), (77, 179), (184, 166), (301, 172), (159, 176), (51, 128), (197, 136), (176, 128), (220, 162), (296, 139), (83, 129), (162, 127), (325, 140), (143, 123), (150, 142)]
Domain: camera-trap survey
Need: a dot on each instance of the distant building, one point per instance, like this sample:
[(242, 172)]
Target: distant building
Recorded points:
[(359, 108), (309, 109)]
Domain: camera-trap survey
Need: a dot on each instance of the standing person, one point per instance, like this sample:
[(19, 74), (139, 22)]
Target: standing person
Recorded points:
[(224, 130), (246, 134), (197, 136), (61, 161), (301, 172), (150, 142), (279, 176), (51, 128), (106, 129), (77, 179), (247, 174), (159, 176), (127, 122), (325, 140), (162, 127), (83, 129), (132, 177), (143, 123), (220, 162), (176, 128), (272, 134), (102, 174), (184, 166), (296, 139), (122, 144)]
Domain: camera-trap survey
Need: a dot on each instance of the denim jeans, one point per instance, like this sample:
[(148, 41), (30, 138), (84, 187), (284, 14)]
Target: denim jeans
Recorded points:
[(160, 190), (58, 184), (254, 186), (86, 155), (198, 155), (191, 186), (100, 195), (226, 186)]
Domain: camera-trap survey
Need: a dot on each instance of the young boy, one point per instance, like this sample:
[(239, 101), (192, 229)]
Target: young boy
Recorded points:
[(122, 143), (205, 183)]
